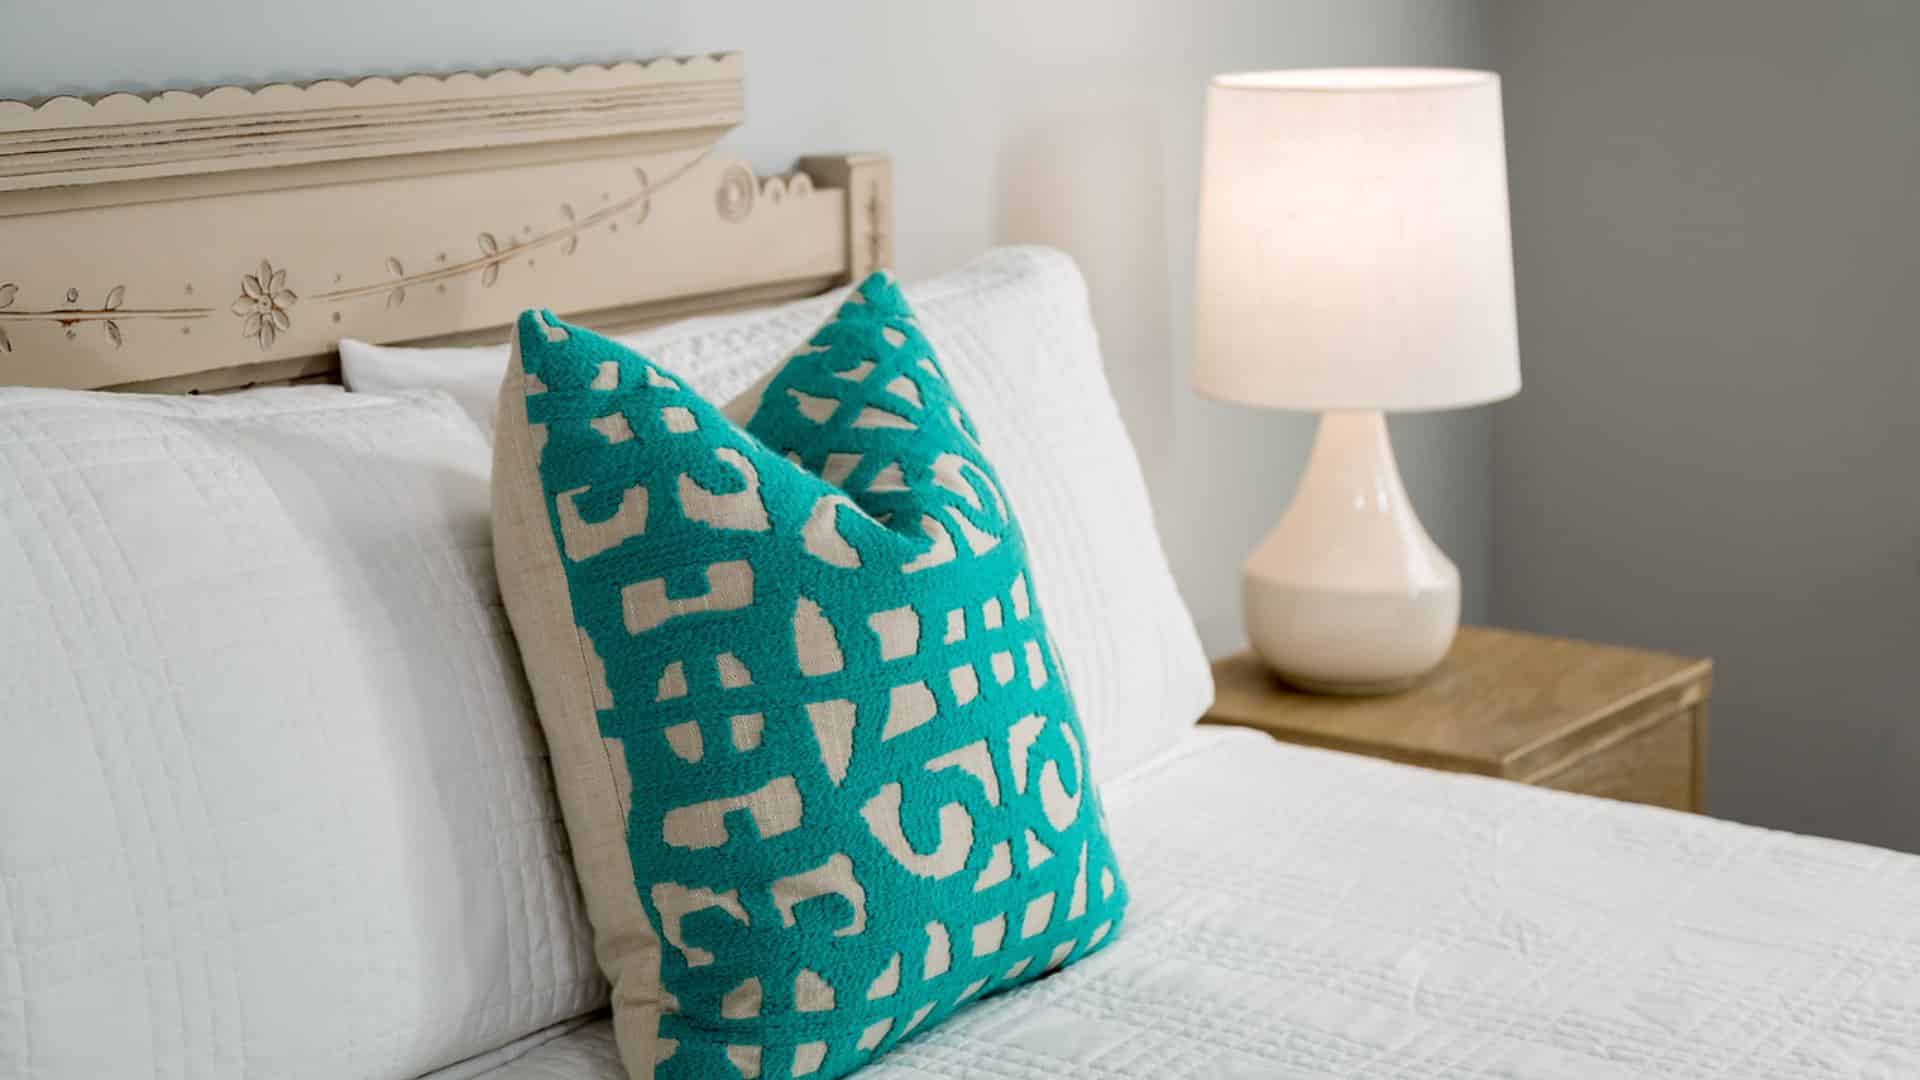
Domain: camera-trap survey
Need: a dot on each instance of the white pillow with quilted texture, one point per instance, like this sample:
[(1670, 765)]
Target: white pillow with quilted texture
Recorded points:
[(272, 798), (1015, 334)]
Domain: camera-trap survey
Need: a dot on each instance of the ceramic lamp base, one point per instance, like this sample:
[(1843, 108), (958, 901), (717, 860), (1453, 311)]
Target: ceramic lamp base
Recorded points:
[(1349, 595)]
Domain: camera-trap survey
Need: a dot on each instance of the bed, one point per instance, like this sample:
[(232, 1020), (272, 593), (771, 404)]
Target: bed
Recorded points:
[(1305, 913), (1296, 912)]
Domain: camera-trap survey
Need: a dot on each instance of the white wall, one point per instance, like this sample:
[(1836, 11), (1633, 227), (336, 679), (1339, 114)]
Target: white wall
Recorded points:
[(1069, 122), (1717, 226)]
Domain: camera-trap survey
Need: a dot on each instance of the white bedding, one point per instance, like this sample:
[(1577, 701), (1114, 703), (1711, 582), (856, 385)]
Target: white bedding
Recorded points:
[(272, 798), (1301, 913)]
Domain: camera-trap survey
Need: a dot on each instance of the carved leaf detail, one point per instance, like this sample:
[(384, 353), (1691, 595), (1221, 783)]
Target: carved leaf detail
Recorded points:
[(113, 332), (114, 299), (264, 300), (6, 343), (646, 196), (7, 293)]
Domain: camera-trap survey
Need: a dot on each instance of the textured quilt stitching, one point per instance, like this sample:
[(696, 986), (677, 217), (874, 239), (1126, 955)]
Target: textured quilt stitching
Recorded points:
[(1833, 1006), (118, 792), (1588, 963), (105, 662)]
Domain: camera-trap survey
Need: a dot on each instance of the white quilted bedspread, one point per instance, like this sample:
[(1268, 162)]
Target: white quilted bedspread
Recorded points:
[(1299, 913)]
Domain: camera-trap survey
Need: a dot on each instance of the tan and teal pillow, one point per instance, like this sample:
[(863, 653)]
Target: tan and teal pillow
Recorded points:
[(820, 766)]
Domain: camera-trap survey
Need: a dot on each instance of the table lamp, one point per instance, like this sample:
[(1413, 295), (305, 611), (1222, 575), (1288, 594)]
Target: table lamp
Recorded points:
[(1354, 257)]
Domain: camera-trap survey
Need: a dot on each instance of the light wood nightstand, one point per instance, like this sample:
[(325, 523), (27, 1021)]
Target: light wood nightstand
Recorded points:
[(1597, 719)]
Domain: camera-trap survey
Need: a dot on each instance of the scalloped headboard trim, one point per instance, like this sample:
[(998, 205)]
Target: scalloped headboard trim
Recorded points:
[(64, 141)]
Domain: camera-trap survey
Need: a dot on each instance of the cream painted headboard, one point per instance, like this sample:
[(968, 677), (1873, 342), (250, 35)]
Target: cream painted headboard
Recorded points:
[(232, 237)]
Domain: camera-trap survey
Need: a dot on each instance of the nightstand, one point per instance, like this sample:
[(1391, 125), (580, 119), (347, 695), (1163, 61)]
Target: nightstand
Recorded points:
[(1598, 719)]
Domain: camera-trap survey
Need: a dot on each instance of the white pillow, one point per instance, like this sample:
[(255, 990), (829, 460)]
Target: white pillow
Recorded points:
[(1016, 336), (470, 376), (272, 798)]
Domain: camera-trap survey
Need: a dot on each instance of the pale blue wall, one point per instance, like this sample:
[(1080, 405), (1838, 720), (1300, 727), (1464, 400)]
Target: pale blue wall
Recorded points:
[(1070, 122)]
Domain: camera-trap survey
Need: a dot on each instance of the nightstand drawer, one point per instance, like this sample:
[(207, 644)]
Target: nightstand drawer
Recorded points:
[(1657, 764)]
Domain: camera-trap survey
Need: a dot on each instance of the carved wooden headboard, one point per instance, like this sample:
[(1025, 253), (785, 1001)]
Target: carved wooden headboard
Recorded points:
[(204, 241)]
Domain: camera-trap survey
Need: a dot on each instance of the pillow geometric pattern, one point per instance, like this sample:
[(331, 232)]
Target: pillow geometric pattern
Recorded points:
[(857, 791)]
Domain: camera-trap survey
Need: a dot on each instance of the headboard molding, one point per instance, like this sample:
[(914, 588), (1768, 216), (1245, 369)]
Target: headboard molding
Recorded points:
[(201, 241), (66, 140)]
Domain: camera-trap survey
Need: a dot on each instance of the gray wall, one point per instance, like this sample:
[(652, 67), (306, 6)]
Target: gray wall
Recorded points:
[(1069, 122), (1717, 226)]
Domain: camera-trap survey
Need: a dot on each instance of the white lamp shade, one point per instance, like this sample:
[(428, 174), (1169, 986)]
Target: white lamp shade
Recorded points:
[(1354, 248)]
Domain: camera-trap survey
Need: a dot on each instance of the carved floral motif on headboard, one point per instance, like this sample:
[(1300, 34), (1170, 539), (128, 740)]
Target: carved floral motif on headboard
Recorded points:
[(266, 297)]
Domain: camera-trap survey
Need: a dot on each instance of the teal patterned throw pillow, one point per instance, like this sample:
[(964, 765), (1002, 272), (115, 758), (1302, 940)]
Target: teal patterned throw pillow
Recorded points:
[(821, 768)]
